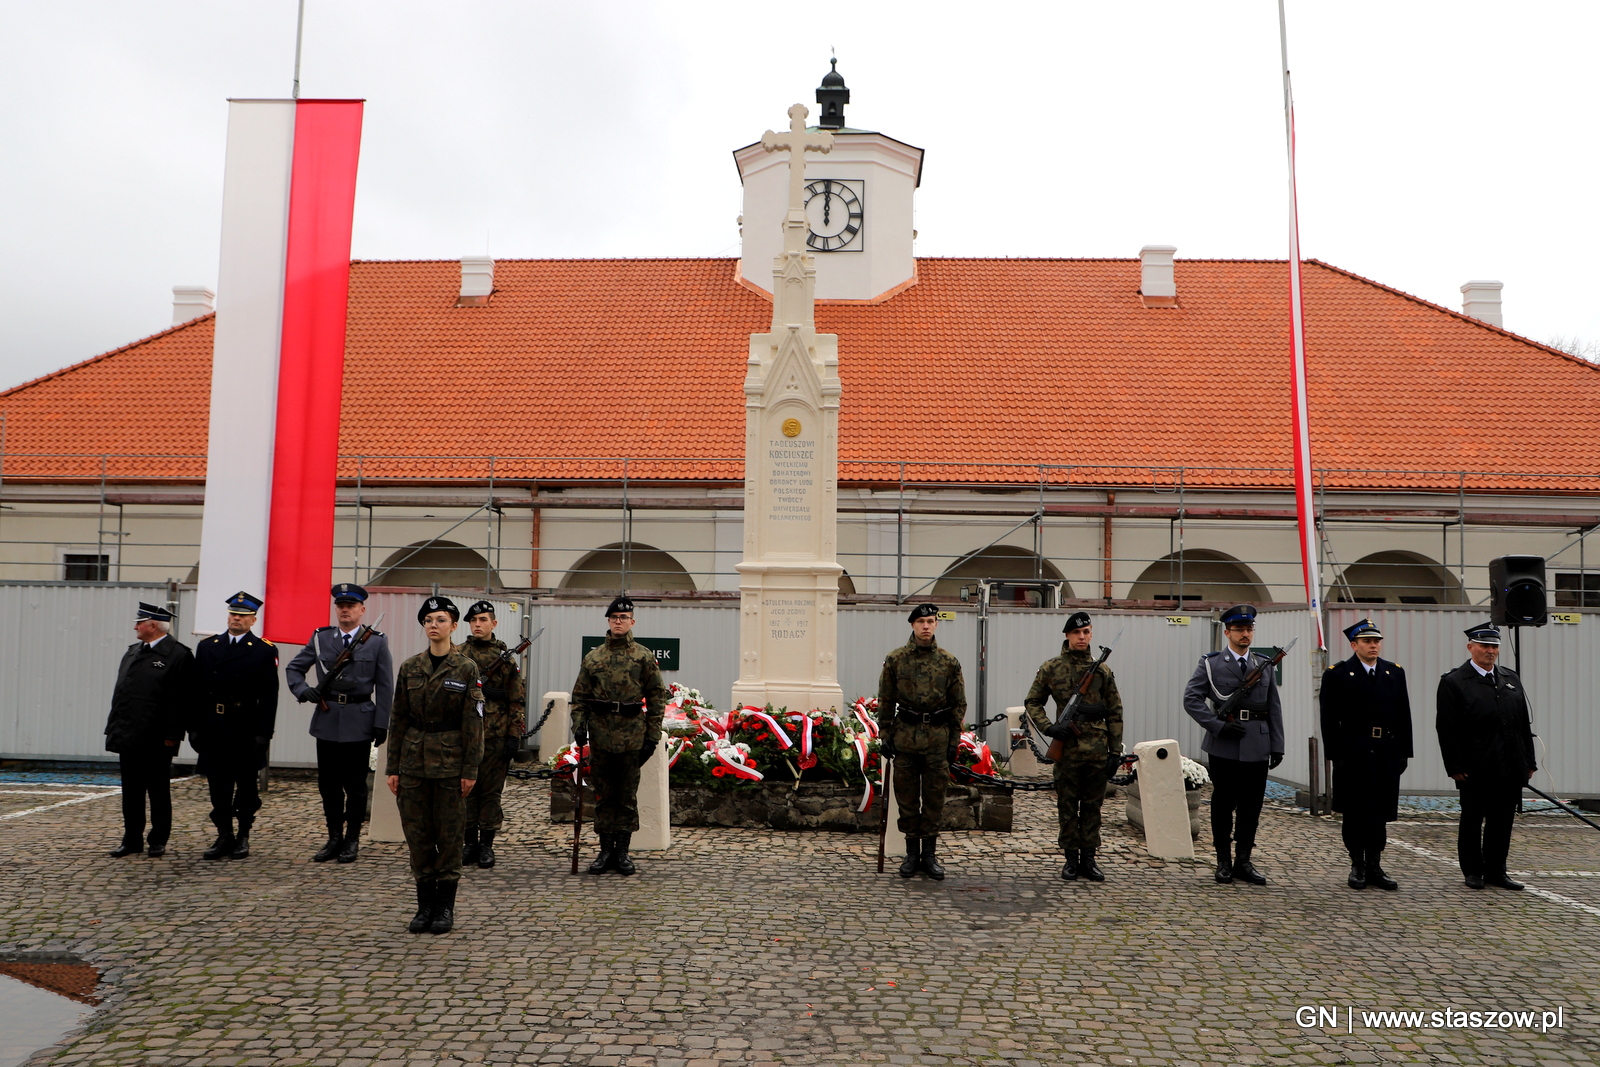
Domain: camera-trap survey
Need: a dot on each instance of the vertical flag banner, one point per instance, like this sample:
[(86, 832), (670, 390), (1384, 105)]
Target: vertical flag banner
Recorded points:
[(1309, 561), (278, 361)]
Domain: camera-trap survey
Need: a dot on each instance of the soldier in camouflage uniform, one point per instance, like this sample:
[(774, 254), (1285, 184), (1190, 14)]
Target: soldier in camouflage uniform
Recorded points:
[(922, 702), (1089, 761), (435, 748), (617, 705), (504, 717)]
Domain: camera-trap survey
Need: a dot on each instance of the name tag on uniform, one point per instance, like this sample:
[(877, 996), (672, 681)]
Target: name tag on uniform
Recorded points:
[(455, 685)]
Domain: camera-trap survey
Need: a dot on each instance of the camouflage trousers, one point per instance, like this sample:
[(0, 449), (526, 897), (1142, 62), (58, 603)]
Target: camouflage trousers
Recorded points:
[(431, 811), (483, 803), (1080, 792), (921, 776), (615, 776)]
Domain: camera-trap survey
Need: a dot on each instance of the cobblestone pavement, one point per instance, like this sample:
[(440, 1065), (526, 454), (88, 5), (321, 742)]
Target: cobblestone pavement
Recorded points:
[(743, 947)]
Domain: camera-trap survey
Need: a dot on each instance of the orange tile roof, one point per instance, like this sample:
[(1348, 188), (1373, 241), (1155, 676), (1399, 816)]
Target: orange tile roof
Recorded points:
[(982, 363)]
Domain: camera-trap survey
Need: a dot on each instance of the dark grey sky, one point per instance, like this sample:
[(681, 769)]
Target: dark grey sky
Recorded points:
[(1438, 141)]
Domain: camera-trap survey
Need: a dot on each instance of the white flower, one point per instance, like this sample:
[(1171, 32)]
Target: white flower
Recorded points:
[(1194, 774)]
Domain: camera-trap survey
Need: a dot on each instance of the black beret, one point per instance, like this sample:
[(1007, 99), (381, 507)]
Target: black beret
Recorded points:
[(923, 611), (1077, 621), (482, 607), (620, 606), (438, 603)]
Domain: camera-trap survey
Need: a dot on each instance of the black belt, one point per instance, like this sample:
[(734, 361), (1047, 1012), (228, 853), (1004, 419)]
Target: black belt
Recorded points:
[(348, 698), (222, 709), (628, 708), (1246, 715), (921, 718), (436, 727), (1379, 733)]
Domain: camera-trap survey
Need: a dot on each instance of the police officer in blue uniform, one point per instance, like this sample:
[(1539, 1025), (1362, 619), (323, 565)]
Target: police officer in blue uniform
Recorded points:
[(355, 719), (237, 673), (1241, 752), (1366, 732)]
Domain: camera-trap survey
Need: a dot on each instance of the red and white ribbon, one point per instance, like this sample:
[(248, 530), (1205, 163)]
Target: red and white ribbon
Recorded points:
[(808, 758), (571, 762), (739, 770), (683, 743), (860, 708), (982, 756), (778, 732), (861, 752)]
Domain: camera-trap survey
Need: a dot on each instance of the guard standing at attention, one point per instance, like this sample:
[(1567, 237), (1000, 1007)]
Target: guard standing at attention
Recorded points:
[(233, 722), (922, 703), (1087, 763), (433, 763), (504, 719), (153, 699), (1241, 751), (353, 717), (1366, 731), (1486, 739), (617, 707)]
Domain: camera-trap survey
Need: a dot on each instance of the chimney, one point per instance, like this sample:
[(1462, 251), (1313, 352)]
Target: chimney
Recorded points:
[(1481, 300), (190, 302), (1157, 288), (477, 281)]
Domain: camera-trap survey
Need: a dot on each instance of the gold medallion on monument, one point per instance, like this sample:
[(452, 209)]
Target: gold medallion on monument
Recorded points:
[(791, 427)]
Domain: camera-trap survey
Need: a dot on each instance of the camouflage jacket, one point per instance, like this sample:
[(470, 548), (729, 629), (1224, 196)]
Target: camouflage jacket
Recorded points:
[(625, 672), (1099, 713), (425, 700), (504, 694), (925, 679)]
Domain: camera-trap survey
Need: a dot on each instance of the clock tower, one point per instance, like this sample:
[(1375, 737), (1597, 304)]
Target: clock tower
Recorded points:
[(858, 205)]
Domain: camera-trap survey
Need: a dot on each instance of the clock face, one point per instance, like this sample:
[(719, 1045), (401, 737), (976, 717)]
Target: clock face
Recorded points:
[(834, 210)]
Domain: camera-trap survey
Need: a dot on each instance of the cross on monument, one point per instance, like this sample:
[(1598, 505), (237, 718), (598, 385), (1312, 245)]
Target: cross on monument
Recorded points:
[(797, 144)]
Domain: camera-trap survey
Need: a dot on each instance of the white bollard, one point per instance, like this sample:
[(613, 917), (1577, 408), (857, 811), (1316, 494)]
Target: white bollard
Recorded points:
[(655, 804), (894, 842), (385, 824), (557, 729), (1163, 800), (1024, 763)]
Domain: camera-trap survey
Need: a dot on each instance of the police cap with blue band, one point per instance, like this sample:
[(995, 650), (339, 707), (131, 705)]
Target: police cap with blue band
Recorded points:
[(923, 611), (242, 603), (1364, 628), (349, 591), (1485, 633), (438, 603), (1239, 613)]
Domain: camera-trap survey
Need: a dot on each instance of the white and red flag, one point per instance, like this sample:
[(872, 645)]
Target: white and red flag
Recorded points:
[(277, 365)]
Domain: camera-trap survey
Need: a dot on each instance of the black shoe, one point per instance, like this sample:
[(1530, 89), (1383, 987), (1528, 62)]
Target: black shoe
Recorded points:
[(1088, 868), (485, 858), (622, 863), (1377, 876), (1224, 867), (220, 848), (424, 916), (1358, 875), (1502, 881), (1246, 871), (241, 846), (444, 908), (125, 849), (329, 850), (1474, 881), (603, 862), (930, 858), (349, 848), (913, 860), (1069, 869), (469, 851), (155, 851)]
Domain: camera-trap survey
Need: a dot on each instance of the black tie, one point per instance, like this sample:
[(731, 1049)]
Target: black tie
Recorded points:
[(346, 640)]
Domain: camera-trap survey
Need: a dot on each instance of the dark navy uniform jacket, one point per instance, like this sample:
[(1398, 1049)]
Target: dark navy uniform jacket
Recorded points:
[(1213, 681), (154, 696), (238, 696), (367, 685), (1366, 731), (1484, 730)]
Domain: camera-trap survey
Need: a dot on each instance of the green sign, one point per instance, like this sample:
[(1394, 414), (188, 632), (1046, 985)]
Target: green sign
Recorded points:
[(1269, 651), (665, 648)]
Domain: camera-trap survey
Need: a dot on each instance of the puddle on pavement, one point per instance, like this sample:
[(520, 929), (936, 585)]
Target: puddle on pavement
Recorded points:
[(41, 998)]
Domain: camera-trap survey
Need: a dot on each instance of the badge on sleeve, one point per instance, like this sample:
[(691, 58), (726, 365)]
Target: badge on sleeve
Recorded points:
[(455, 685)]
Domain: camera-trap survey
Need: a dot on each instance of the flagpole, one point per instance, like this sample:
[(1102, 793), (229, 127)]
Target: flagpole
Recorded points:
[(299, 33), (1309, 562)]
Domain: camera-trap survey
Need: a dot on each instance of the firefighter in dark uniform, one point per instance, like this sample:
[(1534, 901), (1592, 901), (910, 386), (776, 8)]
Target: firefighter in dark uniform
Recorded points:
[(922, 703), (1486, 739), (152, 701), (504, 718), (1241, 752), (433, 762), (1366, 732), (618, 703), (355, 719), (237, 674), (1087, 763)]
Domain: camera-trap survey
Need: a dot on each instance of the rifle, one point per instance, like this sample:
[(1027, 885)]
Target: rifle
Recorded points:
[(883, 821), (344, 660), (577, 809), (1066, 724), (1228, 710), (506, 656)]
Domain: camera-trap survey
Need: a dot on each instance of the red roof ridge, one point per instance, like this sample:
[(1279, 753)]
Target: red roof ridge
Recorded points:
[(169, 331), (562, 259)]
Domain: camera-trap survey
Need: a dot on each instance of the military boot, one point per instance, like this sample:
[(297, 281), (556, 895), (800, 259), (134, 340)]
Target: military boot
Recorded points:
[(1376, 874), (1224, 865), (602, 863), (469, 851), (1358, 871), (241, 841), (1069, 869), (349, 848), (331, 849), (424, 916), (622, 863), (913, 858), (220, 848), (486, 851), (1245, 870), (930, 858), (444, 908), (1088, 868)]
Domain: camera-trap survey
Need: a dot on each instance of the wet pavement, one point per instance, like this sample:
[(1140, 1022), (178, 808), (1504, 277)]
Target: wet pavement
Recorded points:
[(41, 999)]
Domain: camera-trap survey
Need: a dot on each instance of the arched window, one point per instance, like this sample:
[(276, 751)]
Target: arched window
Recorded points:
[(1396, 578), (847, 585), (641, 567), (1005, 562), (1207, 576), (446, 563)]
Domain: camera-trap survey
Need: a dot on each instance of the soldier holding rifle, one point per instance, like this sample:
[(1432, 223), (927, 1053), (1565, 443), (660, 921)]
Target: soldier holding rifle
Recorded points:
[(1234, 696), (1087, 749), (504, 715), (922, 702)]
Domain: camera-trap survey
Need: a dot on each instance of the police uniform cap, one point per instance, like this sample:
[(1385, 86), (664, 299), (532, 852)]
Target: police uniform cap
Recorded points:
[(1077, 621), (242, 603), (1485, 633), (923, 611), (482, 607), (152, 613), (438, 603), (620, 606), (1364, 628), (349, 591), (1238, 613)]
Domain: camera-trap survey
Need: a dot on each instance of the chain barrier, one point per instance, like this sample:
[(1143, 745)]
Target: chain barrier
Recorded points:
[(1033, 785), (538, 773)]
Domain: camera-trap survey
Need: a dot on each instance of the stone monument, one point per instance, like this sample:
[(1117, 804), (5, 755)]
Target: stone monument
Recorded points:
[(789, 576)]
